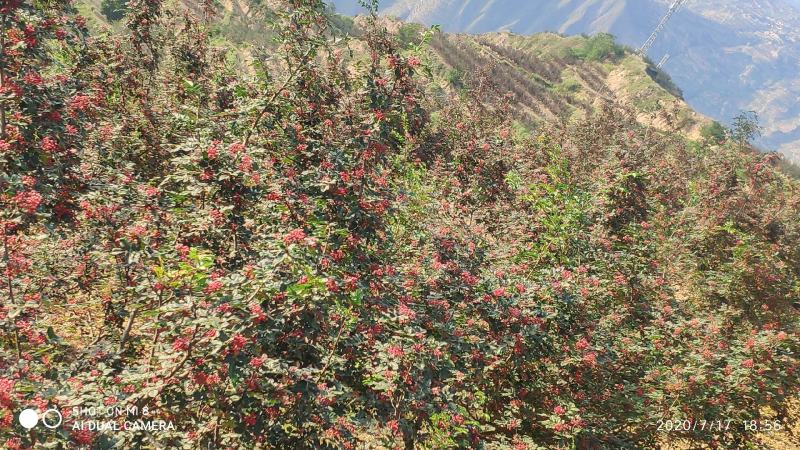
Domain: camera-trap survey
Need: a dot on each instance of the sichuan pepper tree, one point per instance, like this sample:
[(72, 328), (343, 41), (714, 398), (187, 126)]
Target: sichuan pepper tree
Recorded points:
[(317, 254), (48, 99)]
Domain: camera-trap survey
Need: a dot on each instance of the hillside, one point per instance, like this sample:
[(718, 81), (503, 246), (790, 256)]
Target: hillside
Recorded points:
[(553, 78), (728, 55), (328, 233)]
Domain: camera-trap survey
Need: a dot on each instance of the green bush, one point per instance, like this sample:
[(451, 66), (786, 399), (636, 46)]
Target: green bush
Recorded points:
[(410, 34), (714, 132), (114, 10), (599, 47), (455, 78)]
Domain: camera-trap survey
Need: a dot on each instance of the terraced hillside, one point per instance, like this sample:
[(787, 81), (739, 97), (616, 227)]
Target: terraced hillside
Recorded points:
[(552, 77)]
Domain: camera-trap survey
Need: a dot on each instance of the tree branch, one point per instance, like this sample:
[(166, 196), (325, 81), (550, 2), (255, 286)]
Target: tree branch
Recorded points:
[(2, 78), (274, 96), (127, 332)]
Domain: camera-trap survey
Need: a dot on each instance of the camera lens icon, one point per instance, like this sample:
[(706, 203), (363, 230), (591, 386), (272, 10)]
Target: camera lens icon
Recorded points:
[(29, 418), (52, 418)]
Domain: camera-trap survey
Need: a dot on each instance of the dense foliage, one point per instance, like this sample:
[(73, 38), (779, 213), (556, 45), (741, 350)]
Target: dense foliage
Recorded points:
[(316, 254), (599, 47), (113, 9)]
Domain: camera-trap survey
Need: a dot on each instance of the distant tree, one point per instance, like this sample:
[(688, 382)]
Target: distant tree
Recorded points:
[(114, 10), (714, 132), (456, 78), (599, 47), (409, 35), (663, 79), (746, 128)]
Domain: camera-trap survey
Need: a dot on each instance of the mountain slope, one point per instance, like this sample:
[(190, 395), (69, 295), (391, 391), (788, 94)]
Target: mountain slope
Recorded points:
[(551, 78), (727, 56)]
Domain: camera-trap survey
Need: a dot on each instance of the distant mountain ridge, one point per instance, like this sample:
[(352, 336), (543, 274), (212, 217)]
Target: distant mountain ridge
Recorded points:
[(726, 55)]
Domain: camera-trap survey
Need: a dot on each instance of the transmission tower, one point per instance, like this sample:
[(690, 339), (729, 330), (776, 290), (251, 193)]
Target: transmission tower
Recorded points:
[(672, 10), (663, 61)]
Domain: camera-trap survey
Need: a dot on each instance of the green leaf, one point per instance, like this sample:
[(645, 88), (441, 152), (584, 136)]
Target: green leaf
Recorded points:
[(52, 337)]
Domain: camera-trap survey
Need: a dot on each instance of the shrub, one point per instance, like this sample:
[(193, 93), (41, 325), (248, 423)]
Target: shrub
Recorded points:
[(455, 78), (713, 133), (114, 10), (599, 47), (663, 79)]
